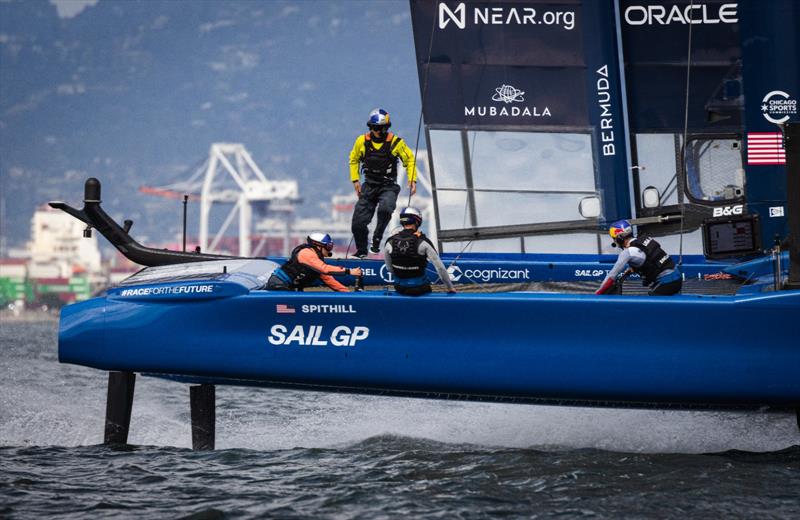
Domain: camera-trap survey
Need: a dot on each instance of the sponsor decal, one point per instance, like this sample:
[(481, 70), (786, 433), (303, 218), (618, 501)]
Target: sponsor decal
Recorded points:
[(485, 275), (457, 16), (717, 276), (317, 336), (590, 273), (694, 13), (776, 211), (778, 106), (282, 308), (477, 15), (383, 273), (598, 273), (765, 148), (606, 118), (171, 290), (386, 275), (507, 94), (727, 211), (328, 309), (455, 273), (368, 271)]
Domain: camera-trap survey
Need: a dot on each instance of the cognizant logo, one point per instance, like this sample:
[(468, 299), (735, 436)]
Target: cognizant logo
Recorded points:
[(485, 275)]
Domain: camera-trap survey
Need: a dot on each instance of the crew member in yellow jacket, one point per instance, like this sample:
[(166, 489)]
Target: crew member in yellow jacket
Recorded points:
[(375, 155)]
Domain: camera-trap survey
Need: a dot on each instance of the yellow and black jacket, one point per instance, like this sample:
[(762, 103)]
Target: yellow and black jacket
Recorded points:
[(379, 160)]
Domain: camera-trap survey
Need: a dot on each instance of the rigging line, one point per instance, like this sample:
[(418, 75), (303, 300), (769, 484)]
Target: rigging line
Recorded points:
[(466, 199), (668, 194), (347, 252), (422, 101), (177, 184), (469, 243), (674, 178), (685, 134), (668, 189), (509, 190), (474, 218)]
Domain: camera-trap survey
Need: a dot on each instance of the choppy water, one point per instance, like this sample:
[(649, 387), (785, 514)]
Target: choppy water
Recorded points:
[(291, 454)]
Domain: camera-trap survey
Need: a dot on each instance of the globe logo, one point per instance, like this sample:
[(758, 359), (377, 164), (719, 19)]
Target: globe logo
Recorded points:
[(508, 94)]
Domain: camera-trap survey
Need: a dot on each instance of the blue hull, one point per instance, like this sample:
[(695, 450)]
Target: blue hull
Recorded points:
[(681, 351)]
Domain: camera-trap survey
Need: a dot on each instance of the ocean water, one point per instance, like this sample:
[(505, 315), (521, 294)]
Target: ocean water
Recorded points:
[(287, 454)]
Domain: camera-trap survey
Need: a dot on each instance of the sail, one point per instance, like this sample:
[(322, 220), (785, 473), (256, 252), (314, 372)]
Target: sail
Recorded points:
[(514, 96), (532, 106)]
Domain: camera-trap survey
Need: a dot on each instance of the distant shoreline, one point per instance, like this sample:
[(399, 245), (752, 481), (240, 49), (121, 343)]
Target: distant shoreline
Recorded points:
[(27, 316)]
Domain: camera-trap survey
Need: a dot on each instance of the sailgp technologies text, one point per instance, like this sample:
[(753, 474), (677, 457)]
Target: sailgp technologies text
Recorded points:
[(606, 117), (478, 15), (341, 336), (175, 289), (596, 273)]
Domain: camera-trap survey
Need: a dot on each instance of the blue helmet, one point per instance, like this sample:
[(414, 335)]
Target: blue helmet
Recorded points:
[(411, 216), (322, 240), (379, 118), (620, 230)]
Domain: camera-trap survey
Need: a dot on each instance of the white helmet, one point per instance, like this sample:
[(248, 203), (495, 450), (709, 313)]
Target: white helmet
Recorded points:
[(411, 216), (379, 118), (322, 240)]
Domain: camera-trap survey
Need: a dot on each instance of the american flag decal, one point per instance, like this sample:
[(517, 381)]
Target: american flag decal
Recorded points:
[(282, 308), (765, 148)]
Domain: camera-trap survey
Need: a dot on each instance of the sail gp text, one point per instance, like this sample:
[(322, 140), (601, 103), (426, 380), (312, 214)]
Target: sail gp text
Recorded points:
[(314, 335)]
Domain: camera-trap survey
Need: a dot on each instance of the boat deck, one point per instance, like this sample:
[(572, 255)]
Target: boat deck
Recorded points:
[(723, 287)]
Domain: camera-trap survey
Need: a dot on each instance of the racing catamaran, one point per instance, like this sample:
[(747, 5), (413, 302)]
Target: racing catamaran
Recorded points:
[(540, 120)]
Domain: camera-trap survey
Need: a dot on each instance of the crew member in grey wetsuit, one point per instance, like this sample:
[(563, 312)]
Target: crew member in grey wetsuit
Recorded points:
[(407, 254), (644, 256)]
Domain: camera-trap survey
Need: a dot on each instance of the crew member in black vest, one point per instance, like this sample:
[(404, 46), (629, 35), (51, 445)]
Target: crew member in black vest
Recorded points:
[(407, 254), (306, 265), (377, 152), (643, 256)]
